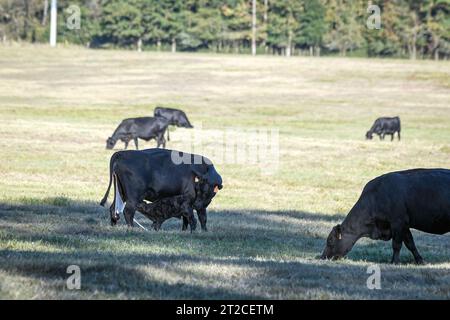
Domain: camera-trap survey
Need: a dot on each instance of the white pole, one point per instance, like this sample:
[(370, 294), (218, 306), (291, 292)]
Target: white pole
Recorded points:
[(53, 24), (254, 27)]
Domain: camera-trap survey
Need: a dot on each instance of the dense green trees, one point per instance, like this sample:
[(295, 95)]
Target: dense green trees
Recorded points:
[(409, 28)]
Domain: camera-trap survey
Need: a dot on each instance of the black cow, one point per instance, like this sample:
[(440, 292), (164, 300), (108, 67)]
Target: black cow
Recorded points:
[(392, 204), (176, 117), (145, 128), (384, 126), (155, 174), (161, 210)]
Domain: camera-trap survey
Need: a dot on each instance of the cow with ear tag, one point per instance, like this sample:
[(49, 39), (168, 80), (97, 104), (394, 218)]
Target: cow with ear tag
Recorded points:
[(389, 206), (207, 185), (155, 174), (338, 243)]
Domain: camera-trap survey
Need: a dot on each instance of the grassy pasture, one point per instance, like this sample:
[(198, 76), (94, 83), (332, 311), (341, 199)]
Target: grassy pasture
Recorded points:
[(57, 107)]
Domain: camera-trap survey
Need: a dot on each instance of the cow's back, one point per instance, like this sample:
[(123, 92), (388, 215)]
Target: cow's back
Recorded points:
[(427, 199), (390, 125), (149, 127), (421, 196), (149, 175), (125, 127), (167, 113)]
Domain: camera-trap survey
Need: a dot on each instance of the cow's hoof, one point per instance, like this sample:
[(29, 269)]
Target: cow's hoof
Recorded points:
[(420, 262), (204, 229)]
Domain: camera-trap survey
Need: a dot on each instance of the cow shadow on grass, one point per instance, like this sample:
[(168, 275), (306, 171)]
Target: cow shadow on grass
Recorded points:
[(273, 252), (127, 275), (246, 233), (179, 276)]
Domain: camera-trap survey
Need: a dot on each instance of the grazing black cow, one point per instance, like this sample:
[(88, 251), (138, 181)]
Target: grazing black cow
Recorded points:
[(161, 210), (176, 117), (392, 204), (384, 126), (154, 174), (145, 128)]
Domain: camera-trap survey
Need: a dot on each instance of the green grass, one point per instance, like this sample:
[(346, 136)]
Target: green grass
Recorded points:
[(57, 107)]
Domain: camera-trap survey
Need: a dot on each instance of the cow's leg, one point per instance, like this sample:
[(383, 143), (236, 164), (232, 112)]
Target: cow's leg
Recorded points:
[(398, 133), (157, 225), (202, 217), (129, 212), (168, 135), (409, 243), (161, 141), (392, 137), (136, 143), (192, 220), (185, 224), (397, 239), (189, 218), (126, 144), (113, 216)]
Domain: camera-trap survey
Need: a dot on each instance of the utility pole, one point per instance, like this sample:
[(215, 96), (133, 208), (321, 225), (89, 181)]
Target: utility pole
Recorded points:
[(253, 27), (265, 17), (53, 12)]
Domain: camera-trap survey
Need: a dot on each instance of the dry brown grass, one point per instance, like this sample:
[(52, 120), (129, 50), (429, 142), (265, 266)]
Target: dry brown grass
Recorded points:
[(57, 107)]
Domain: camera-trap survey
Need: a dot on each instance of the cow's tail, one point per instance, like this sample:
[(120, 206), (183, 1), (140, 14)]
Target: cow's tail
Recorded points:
[(111, 172)]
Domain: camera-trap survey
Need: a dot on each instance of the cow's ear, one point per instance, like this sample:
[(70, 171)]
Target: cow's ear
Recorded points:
[(198, 176)]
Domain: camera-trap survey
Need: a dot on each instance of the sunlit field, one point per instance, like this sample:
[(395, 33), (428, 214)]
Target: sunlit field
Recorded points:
[(58, 107)]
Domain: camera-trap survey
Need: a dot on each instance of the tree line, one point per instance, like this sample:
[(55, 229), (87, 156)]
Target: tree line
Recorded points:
[(409, 28)]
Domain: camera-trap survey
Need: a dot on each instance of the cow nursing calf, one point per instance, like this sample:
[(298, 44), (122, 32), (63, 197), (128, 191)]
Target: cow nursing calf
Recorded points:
[(155, 174), (384, 126), (145, 128), (392, 204), (175, 117), (166, 208)]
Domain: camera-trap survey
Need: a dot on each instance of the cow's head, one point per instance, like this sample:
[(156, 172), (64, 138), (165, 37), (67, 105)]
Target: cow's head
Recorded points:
[(338, 244), (206, 186), (369, 135), (110, 143), (184, 122)]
